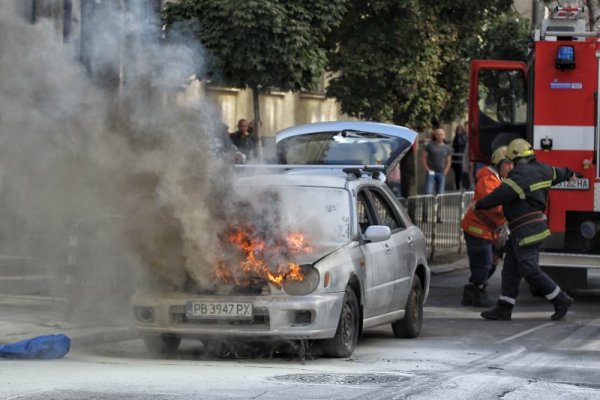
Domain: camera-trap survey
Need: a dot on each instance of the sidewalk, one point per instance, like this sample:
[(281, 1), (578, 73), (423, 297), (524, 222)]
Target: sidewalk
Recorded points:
[(27, 316), (444, 263)]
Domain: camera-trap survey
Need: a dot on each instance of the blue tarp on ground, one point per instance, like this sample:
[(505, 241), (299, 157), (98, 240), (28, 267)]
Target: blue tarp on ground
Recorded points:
[(41, 347)]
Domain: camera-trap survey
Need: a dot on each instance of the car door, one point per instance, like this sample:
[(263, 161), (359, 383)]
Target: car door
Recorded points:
[(380, 262), (400, 244)]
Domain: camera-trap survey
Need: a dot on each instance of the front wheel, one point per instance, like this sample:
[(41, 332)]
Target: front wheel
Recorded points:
[(410, 325), (162, 344), (346, 335)]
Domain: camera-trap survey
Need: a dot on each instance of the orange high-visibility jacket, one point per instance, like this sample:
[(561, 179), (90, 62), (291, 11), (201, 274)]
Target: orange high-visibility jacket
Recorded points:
[(484, 223)]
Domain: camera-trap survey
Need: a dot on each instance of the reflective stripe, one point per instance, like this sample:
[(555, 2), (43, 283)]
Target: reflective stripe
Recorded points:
[(564, 137), (552, 295), (540, 185), (534, 238), (508, 299), (527, 153), (553, 173), (515, 187), (475, 229)]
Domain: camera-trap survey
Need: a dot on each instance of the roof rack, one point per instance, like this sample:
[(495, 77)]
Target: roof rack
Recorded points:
[(375, 171)]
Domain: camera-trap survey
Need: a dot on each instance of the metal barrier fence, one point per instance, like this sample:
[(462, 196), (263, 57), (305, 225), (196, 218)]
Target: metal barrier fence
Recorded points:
[(439, 218)]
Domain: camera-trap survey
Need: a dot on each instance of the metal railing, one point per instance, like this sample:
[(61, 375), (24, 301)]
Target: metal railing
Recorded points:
[(439, 218)]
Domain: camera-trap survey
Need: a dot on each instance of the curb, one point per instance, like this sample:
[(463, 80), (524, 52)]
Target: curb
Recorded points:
[(458, 265)]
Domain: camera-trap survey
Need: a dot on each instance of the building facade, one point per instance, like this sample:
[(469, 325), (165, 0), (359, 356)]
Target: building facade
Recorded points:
[(73, 21)]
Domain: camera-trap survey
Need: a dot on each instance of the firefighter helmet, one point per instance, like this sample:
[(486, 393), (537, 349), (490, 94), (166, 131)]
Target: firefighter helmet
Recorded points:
[(519, 148), (498, 155)]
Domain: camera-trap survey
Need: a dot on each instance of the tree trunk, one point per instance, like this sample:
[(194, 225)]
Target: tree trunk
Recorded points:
[(256, 104), (590, 4)]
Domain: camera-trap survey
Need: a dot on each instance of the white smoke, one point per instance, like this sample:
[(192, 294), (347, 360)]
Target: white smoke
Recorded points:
[(72, 147)]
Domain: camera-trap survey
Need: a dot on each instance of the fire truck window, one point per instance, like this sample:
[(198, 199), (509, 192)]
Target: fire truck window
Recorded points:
[(502, 97), (385, 214)]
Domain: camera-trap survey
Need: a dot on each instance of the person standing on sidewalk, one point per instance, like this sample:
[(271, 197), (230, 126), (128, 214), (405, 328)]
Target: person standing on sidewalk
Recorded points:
[(481, 231), (436, 160), (243, 140), (523, 196), (394, 180), (459, 145)]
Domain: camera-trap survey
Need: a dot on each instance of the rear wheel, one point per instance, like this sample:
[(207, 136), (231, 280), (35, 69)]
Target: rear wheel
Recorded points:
[(410, 325), (162, 344), (346, 335)]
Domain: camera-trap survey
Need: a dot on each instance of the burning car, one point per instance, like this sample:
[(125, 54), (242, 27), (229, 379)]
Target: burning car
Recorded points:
[(320, 251)]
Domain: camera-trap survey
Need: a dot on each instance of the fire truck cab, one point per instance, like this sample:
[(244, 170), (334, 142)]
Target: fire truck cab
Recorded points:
[(552, 102)]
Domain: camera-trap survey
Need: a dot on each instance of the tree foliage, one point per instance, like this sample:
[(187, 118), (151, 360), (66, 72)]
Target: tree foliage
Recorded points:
[(407, 62), (506, 38), (259, 43)]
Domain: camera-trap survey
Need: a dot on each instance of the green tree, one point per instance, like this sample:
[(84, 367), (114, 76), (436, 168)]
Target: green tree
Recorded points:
[(407, 62), (505, 38), (259, 44)]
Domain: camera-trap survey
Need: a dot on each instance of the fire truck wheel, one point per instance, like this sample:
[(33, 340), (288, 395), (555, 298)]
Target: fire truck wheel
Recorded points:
[(162, 344), (346, 335), (410, 325)]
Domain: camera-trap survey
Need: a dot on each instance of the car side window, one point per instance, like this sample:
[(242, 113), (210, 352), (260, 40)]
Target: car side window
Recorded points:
[(362, 211), (384, 210)]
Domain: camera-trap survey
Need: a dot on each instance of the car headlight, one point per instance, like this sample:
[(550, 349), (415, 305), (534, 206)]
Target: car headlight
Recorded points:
[(296, 287)]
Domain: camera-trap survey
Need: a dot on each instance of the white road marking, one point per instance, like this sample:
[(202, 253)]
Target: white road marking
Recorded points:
[(528, 331)]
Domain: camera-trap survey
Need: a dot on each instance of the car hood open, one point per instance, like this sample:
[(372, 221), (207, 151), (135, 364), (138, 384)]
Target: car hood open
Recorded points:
[(344, 143)]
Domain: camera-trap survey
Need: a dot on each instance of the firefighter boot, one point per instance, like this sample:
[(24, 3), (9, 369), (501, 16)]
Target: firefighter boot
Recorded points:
[(501, 312), (468, 292), (562, 303), (481, 298)]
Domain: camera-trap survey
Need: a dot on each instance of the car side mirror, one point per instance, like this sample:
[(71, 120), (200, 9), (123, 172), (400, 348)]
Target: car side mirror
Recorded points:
[(378, 233)]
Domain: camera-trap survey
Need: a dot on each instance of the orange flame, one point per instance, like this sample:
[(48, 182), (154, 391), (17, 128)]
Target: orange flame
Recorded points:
[(259, 258)]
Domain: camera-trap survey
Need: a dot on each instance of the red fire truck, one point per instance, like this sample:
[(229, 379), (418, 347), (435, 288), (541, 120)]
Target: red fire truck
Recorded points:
[(551, 101)]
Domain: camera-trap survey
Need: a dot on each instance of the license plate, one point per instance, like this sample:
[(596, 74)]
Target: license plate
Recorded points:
[(578, 184), (222, 310)]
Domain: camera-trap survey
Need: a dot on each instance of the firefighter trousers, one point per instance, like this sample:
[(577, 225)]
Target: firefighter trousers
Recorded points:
[(480, 255), (523, 263)]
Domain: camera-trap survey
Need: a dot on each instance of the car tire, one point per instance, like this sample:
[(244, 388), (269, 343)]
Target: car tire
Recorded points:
[(162, 344), (344, 342), (410, 326)]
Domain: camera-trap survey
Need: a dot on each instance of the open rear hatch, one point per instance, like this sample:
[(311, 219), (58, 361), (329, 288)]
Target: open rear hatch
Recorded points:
[(344, 143)]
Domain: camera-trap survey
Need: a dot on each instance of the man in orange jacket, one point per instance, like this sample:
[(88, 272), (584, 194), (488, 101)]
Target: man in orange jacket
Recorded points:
[(481, 228)]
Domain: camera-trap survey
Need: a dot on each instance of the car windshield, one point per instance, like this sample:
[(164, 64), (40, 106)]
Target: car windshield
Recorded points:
[(320, 214), (345, 147)]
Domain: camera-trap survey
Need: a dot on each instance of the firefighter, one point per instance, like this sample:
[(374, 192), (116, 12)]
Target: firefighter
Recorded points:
[(481, 230), (523, 196)]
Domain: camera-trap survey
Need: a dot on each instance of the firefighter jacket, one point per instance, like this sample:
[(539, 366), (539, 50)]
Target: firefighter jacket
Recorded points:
[(484, 223), (523, 196)]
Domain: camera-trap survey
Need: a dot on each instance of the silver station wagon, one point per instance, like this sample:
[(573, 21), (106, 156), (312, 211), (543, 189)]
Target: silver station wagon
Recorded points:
[(325, 252)]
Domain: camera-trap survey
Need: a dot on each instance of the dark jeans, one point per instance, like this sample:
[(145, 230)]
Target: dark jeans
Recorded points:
[(480, 253), (458, 176), (523, 262)]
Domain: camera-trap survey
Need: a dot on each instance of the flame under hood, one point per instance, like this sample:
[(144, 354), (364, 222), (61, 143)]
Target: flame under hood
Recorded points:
[(279, 230)]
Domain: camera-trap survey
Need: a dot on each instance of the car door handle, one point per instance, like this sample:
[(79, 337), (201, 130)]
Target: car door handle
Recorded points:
[(388, 250), (410, 241)]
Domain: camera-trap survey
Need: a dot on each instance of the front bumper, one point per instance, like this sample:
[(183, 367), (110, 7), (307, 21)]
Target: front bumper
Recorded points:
[(277, 316)]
